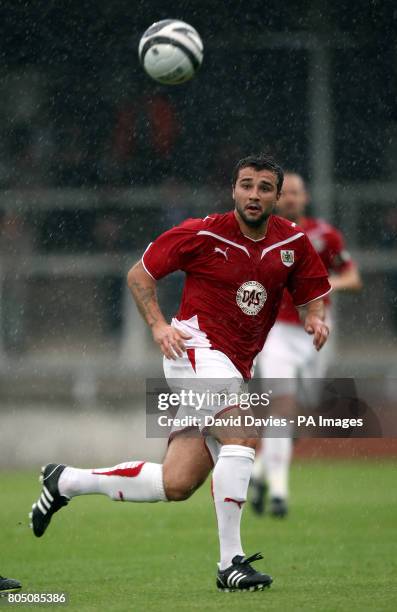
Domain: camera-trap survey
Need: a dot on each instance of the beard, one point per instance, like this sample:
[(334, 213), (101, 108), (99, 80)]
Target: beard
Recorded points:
[(253, 222)]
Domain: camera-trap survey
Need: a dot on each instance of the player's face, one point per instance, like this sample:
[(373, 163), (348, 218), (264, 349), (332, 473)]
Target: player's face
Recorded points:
[(255, 195), (293, 198)]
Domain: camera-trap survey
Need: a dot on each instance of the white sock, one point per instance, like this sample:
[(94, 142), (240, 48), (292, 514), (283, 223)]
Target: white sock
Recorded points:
[(136, 481), (230, 483), (276, 456)]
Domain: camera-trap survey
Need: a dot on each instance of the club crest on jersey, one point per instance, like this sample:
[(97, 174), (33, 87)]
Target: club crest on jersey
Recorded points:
[(251, 297), (287, 257)]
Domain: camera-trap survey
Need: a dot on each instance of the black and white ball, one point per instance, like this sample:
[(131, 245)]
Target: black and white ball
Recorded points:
[(171, 51)]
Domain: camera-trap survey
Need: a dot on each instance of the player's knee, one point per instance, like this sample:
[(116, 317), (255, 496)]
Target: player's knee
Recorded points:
[(179, 490), (248, 442)]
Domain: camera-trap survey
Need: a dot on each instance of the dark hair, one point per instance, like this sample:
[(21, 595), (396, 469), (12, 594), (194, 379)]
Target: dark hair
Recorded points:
[(259, 162)]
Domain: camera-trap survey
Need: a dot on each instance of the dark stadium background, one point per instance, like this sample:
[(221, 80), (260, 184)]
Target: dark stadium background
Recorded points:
[(96, 160)]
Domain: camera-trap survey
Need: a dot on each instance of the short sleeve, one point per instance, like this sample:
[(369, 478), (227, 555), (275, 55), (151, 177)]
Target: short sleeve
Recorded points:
[(171, 251), (340, 258), (308, 281)]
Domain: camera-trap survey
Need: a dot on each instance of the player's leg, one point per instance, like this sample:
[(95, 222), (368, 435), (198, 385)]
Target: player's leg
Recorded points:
[(233, 465), (290, 356), (258, 483), (233, 455), (279, 362), (276, 455), (136, 481), (230, 482), (185, 467)]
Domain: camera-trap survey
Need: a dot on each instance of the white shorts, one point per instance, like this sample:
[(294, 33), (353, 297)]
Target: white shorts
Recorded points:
[(193, 371), (289, 354)]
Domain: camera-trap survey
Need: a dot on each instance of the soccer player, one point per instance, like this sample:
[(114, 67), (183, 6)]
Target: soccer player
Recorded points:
[(288, 352), (9, 585), (235, 277)]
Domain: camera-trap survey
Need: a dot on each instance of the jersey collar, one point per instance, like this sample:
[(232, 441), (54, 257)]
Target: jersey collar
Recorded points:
[(255, 240)]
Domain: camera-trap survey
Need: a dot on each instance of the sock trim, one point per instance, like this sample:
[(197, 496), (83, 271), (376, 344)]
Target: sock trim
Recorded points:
[(237, 450), (159, 485)]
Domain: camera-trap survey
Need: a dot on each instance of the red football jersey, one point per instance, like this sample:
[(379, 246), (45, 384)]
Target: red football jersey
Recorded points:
[(234, 284), (330, 245)]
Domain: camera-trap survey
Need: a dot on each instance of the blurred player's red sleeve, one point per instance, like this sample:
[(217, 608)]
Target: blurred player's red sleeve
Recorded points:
[(340, 258), (309, 280)]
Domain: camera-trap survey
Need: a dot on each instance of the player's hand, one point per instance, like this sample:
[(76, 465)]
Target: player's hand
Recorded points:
[(171, 340), (316, 326)]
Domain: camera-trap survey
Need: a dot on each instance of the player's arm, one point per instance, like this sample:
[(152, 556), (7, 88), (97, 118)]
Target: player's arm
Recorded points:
[(143, 290), (348, 279), (313, 315), (344, 273)]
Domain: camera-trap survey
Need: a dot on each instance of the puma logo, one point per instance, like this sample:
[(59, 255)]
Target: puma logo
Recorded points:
[(218, 250), (235, 501)]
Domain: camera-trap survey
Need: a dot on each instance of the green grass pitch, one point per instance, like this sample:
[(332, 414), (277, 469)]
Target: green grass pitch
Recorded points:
[(336, 551)]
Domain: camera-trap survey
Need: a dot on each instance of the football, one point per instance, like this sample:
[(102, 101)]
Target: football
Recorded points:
[(171, 51)]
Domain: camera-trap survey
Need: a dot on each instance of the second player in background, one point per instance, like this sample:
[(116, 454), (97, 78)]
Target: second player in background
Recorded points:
[(289, 352)]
